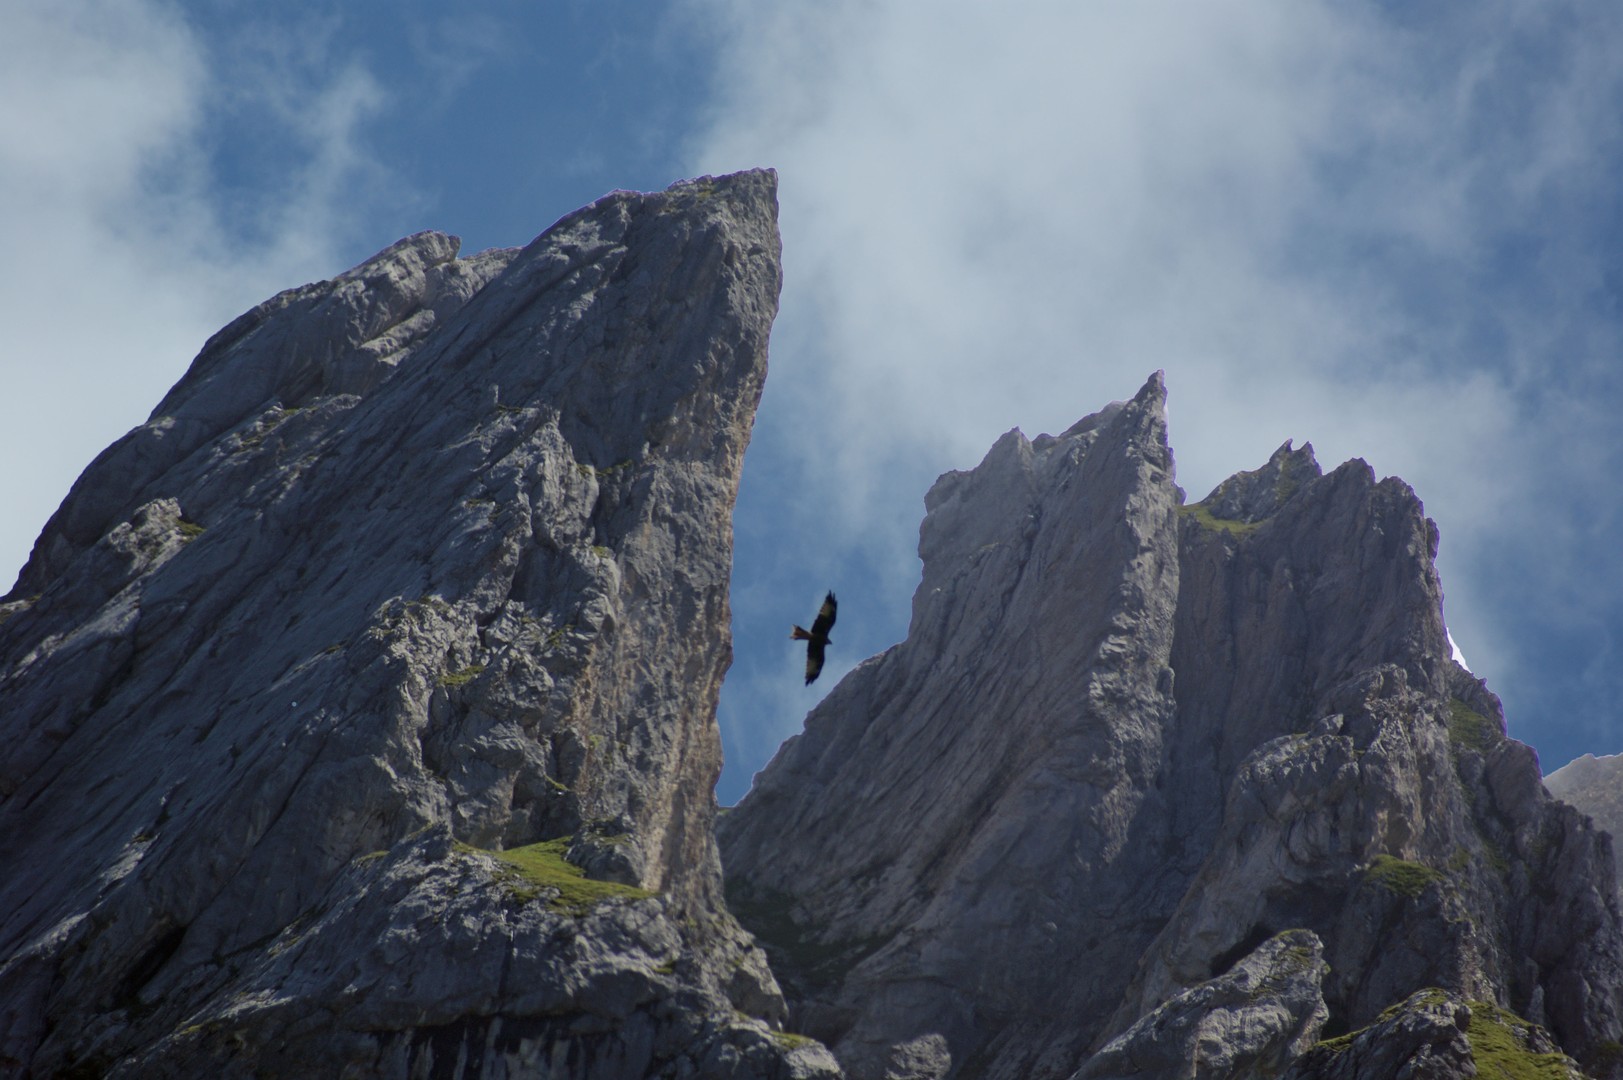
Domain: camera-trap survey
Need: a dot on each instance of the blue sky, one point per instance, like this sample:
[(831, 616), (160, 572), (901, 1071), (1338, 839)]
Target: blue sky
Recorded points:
[(1395, 235)]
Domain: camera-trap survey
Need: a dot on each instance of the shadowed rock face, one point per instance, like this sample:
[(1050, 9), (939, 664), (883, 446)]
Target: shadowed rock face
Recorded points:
[(1259, 1016), (1127, 744), (1594, 785), (910, 833), (417, 564)]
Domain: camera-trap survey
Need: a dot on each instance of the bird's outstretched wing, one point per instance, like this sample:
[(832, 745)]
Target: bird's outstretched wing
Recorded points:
[(825, 617), (817, 637), (814, 659)]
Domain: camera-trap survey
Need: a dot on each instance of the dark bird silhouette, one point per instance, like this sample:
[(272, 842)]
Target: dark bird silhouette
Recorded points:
[(817, 638)]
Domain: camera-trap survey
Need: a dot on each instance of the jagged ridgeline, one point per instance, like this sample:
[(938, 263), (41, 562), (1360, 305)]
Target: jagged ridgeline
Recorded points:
[(357, 711), (357, 718), (1159, 789)]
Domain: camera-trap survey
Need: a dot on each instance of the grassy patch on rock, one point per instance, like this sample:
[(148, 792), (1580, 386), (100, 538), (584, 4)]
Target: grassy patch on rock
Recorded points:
[(1500, 1052), (791, 1041), (538, 870), (1469, 729), (1400, 875), (1203, 517), (463, 677), (1503, 1045)]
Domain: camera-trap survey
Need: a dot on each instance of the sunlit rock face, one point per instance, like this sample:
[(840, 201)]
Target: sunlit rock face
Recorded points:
[(1128, 743), (359, 708)]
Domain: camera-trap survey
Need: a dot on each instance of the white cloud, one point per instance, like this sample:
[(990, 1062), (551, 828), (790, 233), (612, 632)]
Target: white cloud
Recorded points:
[(94, 98), (1454, 651), (1356, 225), (125, 254)]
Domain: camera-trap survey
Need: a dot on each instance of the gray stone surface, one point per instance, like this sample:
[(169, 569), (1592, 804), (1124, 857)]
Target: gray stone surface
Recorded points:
[(1435, 1035), (946, 841), (424, 565), (1424, 1036), (1128, 740), (1594, 785), (1253, 1020), (419, 563)]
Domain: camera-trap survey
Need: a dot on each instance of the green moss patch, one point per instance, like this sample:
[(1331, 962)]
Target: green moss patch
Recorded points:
[(1338, 1045), (1499, 1049), (1419, 1000), (790, 1041), (1400, 875), (463, 677), (1469, 729), (537, 869), (1499, 1041), (1202, 515), (1292, 476), (605, 471)]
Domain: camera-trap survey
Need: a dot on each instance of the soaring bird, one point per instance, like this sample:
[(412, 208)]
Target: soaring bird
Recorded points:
[(817, 637)]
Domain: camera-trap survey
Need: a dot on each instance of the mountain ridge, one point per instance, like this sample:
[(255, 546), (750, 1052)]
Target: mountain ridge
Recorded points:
[(360, 720), (1240, 722)]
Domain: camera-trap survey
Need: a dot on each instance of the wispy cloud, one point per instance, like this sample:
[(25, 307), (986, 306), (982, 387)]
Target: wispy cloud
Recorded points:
[(1385, 232), (1386, 229), (132, 239)]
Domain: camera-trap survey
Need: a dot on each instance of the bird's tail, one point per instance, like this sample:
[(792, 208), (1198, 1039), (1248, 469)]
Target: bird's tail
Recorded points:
[(800, 635)]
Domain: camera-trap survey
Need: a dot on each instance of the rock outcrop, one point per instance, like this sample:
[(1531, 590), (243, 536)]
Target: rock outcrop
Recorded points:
[(1434, 1034), (1130, 742), (1255, 1019), (359, 706), (1595, 786)]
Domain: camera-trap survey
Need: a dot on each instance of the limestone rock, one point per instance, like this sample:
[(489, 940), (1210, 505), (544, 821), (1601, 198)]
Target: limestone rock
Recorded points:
[(1594, 785), (359, 706), (1253, 1020), (1436, 1035), (899, 857), (1129, 740), (1425, 1035)]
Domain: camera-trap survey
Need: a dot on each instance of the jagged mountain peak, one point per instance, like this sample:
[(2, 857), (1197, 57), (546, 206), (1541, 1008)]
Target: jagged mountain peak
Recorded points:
[(1128, 743), (371, 686), (1250, 497), (991, 514), (367, 690)]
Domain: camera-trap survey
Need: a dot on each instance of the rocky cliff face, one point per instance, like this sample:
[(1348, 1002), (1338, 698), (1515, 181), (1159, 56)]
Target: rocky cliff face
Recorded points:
[(1152, 784), (1595, 786), (359, 706), (358, 719)]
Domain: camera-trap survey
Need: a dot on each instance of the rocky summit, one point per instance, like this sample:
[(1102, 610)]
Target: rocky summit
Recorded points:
[(1168, 789), (357, 719), (358, 709)]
